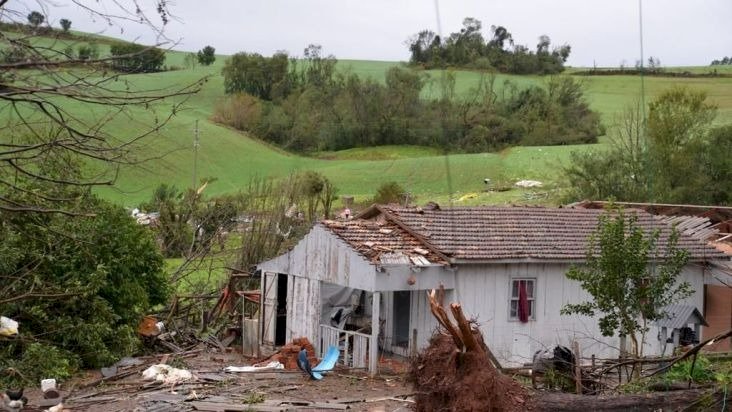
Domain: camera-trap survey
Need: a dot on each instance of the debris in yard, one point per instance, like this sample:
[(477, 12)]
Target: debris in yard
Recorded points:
[(455, 371), (150, 326), (289, 353), (528, 183), (13, 401), (8, 327), (270, 366), (166, 374), (327, 364)]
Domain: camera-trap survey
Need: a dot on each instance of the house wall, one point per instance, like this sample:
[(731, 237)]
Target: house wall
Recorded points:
[(484, 290), (323, 256)]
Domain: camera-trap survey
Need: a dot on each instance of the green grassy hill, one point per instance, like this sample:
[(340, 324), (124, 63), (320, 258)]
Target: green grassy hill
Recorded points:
[(234, 157)]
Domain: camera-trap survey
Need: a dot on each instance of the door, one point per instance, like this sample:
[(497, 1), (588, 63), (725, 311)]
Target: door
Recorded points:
[(269, 307)]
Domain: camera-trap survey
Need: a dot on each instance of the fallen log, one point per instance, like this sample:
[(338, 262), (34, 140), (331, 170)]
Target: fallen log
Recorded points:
[(674, 400)]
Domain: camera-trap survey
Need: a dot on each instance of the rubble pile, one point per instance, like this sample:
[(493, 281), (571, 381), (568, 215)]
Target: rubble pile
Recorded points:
[(288, 353)]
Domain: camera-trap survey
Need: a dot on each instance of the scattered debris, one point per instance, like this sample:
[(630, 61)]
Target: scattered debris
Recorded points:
[(528, 183), (289, 353), (274, 365), (13, 401), (8, 327), (166, 374)]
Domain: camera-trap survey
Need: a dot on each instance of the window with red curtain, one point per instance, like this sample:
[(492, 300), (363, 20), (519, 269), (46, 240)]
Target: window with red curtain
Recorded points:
[(523, 298)]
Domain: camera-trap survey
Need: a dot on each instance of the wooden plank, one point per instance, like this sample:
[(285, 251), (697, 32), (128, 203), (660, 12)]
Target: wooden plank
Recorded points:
[(374, 344), (233, 407)]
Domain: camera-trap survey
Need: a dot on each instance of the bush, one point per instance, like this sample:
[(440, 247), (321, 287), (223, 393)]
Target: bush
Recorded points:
[(39, 361), (390, 192), (88, 51)]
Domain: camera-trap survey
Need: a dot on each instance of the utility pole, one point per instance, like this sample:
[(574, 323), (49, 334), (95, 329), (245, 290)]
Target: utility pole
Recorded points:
[(196, 144)]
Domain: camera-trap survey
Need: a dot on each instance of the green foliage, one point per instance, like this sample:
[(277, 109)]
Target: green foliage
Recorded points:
[(320, 109), (79, 284), (35, 18), (88, 51), (206, 56), (264, 77), (468, 48), (38, 361), (676, 157), (702, 373), (136, 58), (627, 290), (65, 24), (390, 192)]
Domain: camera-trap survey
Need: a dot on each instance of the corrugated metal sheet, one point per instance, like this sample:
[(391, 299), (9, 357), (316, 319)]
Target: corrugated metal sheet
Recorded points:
[(678, 316)]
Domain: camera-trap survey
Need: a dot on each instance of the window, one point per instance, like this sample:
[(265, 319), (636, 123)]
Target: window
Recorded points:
[(523, 295)]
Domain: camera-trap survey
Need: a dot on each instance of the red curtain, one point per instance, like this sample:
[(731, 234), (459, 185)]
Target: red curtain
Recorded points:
[(523, 302)]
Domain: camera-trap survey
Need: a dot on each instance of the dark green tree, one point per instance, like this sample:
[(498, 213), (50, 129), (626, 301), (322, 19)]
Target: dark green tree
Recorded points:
[(264, 77), (630, 276), (65, 24), (136, 58), (206, 56), (35, 18)]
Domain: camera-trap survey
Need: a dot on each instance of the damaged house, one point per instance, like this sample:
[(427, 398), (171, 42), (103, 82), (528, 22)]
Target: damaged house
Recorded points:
[(362, 283)]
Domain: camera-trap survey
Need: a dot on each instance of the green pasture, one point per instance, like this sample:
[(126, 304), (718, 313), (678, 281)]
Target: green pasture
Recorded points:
[(234, 157)]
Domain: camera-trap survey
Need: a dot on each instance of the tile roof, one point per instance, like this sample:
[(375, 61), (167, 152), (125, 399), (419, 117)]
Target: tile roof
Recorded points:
[(383, 242), (509, 233)]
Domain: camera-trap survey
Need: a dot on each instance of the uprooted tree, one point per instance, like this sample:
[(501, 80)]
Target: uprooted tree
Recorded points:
[(630, 276), (457, 372)]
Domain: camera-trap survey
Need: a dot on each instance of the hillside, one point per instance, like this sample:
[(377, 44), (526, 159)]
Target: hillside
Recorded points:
[(233, 157)]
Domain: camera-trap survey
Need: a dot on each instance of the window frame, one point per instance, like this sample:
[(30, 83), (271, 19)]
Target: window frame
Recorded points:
[(532, 299)]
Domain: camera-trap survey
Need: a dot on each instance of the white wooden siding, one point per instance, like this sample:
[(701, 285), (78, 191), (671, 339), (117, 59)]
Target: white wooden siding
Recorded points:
[(303, 308), (483, 291)]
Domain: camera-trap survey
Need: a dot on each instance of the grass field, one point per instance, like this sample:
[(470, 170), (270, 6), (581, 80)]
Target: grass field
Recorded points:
[(233, 157)]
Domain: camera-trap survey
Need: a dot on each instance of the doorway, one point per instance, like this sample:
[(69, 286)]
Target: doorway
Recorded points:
[(401, 310), (281, 322)]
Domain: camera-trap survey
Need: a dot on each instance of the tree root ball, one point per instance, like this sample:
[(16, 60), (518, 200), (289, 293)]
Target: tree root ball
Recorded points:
[(448, 380)]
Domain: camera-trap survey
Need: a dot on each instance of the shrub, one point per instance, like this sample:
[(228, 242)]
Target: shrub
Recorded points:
[(136, 58), (390, 192)]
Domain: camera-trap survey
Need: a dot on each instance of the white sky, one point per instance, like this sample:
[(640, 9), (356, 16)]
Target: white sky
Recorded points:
[(602, 32)]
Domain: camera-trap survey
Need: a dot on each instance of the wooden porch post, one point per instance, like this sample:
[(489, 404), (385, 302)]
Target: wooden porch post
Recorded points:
[(375, 324)]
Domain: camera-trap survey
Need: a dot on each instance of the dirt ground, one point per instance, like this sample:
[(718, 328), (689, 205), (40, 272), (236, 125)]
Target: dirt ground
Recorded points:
[(214, 389)]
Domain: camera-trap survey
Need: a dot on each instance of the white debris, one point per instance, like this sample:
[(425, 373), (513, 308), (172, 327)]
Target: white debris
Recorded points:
[(166, 374), (528, 183), (8, 327), (272, 365)]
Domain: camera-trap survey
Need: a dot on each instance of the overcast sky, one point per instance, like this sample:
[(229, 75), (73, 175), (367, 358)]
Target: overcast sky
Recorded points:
[(602, 32)]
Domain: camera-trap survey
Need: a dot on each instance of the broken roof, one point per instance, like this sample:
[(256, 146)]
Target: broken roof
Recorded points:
[(488, 233), (384, 242)]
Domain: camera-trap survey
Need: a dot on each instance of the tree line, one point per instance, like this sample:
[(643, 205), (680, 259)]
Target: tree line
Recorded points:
[(723, 61), (468, 48), (307, 105)]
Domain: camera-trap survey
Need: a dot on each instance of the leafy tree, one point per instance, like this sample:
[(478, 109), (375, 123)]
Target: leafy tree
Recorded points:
[(35, 18), (673, 157), (136, 58), (190, 61), (65, 24), (263, 77), (390, 192), (206, 56), (468, 48), (630, 276)]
